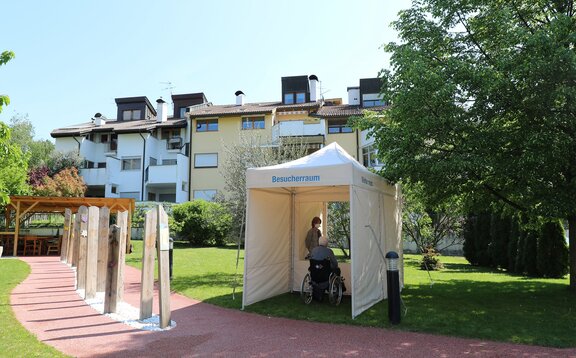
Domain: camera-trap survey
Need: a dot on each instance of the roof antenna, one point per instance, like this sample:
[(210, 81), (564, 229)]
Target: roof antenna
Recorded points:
[(170, 87)]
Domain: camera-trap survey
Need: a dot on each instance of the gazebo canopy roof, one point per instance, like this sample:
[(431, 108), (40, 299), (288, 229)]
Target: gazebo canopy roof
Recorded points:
[(50, 204)]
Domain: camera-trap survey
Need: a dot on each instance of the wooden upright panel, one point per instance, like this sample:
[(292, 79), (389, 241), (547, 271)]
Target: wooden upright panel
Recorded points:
[(76, 240), (111, 291), (122, 220), (66, 235), (82, 249), (163, 245), (103, 230), (92, 251), (147, 281)]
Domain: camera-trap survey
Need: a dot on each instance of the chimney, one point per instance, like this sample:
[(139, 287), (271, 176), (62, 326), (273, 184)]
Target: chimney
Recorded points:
[(314, 92), (239, 98), (162, 111), (99, 120), (354, 96)]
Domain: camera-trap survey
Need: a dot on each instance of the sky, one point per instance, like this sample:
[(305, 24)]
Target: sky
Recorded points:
[(74, 57)]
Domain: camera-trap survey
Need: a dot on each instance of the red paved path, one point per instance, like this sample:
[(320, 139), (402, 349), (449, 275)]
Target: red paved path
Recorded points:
[(47, 305)]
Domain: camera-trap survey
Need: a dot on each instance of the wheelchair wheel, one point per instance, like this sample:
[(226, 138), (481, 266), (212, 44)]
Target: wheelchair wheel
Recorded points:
[(306, 289), (335, 290)]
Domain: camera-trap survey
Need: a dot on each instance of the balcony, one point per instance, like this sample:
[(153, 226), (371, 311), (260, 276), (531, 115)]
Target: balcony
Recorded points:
[(94, 176), (174, 143), (310, 131), (162, 174)]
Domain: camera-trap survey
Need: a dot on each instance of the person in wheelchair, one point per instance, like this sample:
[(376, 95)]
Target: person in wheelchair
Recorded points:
[(323, 264)]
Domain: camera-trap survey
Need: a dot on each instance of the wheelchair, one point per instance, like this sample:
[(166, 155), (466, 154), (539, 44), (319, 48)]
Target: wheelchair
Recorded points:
[(320, 279)]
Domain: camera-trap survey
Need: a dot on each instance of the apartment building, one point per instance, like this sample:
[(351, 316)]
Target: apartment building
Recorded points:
[(148, 155), (142, 154)]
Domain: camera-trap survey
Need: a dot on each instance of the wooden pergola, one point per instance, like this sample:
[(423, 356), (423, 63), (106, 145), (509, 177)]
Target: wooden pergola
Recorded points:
[(23, 206)]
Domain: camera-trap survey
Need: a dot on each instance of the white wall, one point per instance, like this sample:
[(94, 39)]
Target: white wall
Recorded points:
[(66, 144)]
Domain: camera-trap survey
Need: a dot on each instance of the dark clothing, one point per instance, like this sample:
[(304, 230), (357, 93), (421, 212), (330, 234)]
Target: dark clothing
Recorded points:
[(312, 238), (322, 253)]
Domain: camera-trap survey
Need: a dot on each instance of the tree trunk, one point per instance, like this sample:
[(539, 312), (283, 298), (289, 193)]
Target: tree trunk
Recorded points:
[(572, 244)]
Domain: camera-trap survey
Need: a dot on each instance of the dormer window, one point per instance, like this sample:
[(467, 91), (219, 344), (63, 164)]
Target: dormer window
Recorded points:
[(131, 114), (294, 97), (373, 103), (183, 111)]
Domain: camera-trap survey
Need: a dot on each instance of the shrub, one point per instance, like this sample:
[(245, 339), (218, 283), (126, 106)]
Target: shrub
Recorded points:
[(553, 254), (430, 260), (201, 223)]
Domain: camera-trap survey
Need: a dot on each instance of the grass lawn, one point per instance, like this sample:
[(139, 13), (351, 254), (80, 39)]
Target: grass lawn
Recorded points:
[(15, 340), (464, 301)]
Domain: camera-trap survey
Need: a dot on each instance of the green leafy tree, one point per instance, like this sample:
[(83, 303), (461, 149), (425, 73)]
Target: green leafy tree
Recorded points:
[(482, 103), (338, 226), (13, 162), (201, 222), (432, 228), (23, 132), (4, 58)]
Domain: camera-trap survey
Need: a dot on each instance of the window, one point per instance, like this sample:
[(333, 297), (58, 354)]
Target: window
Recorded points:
[(373, 103), (131, 114), (88, 164), (370, 157), (338, 128), (300, 97), (130, 163), (185, 186), (170, 133), (151, 196), (183, 111), (130, 194), (206, 160), (113, 144), (253, 123), (294, 97), (153, 161), (207, 194), (102, 165), (114, 189), (169, 162), (170, 198), (174, 143), (207, 125), (103, 138)]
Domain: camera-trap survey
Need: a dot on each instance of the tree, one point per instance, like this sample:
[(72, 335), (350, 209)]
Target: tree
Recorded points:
[(4, 58), (339, 226), (23, 132), (13, 166), (201, 222), (252, 151), (13, 162), (552, 256), (66, 183), (427, 225), (481, 96)]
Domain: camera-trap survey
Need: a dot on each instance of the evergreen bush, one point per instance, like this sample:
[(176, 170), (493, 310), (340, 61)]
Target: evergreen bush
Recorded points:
[(201, 223), (553, 254)]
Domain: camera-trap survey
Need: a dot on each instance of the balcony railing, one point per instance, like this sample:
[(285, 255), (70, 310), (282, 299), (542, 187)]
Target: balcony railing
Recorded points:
[(303, 128)]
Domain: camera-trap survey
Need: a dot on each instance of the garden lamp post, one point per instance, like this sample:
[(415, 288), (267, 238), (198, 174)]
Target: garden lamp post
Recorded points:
[(393, 280)]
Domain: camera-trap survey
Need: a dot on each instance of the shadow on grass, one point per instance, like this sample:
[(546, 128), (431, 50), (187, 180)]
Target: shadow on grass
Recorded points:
[(520, 312)]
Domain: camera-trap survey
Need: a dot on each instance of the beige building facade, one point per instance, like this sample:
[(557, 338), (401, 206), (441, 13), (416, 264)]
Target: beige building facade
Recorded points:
[(181, 157)]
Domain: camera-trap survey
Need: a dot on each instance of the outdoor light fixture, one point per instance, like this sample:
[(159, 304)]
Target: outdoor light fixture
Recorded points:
[(393, 280)]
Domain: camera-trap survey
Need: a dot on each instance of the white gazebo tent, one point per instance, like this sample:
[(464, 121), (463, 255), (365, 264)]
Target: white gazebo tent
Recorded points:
[(283, 199)]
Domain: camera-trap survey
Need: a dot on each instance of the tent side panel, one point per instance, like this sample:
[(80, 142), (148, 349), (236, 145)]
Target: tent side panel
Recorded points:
[(267, 248), (369, 266)]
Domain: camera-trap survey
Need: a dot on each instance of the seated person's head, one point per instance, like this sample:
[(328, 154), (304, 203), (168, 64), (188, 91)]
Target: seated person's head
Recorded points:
[(323, 241)]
